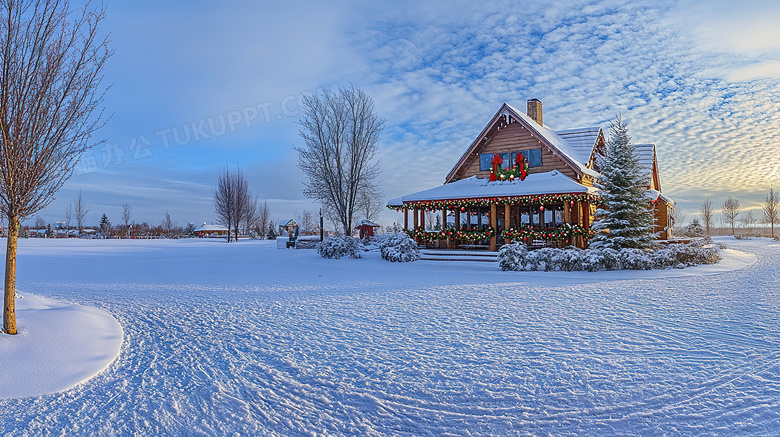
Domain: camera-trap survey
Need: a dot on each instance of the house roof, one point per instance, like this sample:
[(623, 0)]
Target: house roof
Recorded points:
[(211, 228), (574, 146), (647, 159), (581, 141), (365, 222), (552, 182)]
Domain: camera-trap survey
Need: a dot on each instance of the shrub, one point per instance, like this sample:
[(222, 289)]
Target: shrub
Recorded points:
[(397, 247), (512, 257), (337, 247), (518, 257)]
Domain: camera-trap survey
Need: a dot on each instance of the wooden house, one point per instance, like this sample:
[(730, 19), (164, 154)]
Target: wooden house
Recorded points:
[(520, 180)]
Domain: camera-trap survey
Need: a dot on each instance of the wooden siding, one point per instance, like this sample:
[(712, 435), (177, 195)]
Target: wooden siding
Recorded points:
[(513, 137)]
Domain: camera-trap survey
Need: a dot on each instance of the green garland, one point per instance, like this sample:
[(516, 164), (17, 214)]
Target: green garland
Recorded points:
[(470, 234), (533, 200), (564, 232)]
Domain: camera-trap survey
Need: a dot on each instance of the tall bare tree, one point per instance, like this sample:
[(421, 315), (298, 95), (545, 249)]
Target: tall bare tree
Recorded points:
[(749, 221), (68, 218), (168, 225), (772, 209), (263, 218), (707, 214), (340, 132), (730, 211), (80, 211), (127, 215), (51, 67), (233, 202), (223, 200)]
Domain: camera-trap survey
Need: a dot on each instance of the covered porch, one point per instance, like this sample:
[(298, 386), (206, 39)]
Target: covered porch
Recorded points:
[(547, 209)]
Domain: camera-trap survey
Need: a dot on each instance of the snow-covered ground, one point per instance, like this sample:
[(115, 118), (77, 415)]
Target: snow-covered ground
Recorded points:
[(245, 339), (58, 346)]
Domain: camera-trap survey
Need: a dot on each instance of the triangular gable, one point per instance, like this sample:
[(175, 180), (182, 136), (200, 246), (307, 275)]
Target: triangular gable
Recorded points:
[(507, 115), (648, 160)]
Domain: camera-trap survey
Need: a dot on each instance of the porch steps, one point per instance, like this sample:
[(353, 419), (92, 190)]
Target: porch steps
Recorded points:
[(458, 255)]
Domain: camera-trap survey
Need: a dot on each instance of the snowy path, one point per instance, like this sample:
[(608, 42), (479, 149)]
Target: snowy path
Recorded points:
[(244, 340)]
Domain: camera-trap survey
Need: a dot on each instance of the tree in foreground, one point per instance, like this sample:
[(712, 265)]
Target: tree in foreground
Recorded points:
[(772, 209), (707, 214), (625, 220), (340, 132), (51, 64), (730, 211)]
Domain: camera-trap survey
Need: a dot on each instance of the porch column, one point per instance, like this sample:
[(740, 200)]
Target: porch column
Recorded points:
[(457, 219), (416, 218), (443, 218), (422, 218), (507, 217), (566, 212), (406, 219), (493, 225), (586, 215)]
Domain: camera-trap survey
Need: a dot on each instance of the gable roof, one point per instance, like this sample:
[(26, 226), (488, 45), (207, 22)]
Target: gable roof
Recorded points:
[(572, 149), (581, 141), (647, 159)]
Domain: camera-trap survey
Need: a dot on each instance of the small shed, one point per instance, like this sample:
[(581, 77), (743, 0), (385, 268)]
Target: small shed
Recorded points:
[(366, 228)]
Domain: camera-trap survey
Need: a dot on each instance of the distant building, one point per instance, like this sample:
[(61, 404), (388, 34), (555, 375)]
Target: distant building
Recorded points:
[(210, 230)]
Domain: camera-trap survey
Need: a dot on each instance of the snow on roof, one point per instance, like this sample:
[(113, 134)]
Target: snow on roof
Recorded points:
[(211, 228), (653, 195), (581, 141), (570, 153), (395, 201), (645, 156), (367, 223), (552, 182)]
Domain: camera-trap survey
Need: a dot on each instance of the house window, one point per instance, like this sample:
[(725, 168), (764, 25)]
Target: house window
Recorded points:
[(486, 158), (533, 156)]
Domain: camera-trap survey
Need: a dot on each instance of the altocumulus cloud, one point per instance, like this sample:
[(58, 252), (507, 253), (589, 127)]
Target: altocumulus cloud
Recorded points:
[(712, 110)]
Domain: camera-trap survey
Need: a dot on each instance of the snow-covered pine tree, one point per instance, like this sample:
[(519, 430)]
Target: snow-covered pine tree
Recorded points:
[(625, 220)]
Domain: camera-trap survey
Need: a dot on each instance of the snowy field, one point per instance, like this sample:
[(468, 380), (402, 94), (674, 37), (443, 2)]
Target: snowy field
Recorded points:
[(245, 339)]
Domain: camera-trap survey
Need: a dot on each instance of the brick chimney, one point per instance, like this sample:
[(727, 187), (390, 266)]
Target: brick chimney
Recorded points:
[(535, 110)]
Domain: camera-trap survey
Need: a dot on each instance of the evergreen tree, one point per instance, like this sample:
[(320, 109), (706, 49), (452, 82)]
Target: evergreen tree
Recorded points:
[(626, 220), (272, 230), (105, 224)]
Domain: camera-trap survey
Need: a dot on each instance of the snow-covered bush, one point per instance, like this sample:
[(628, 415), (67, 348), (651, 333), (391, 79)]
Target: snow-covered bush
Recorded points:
[(337, 247), (397, 247), (512, 257), (518, 257)]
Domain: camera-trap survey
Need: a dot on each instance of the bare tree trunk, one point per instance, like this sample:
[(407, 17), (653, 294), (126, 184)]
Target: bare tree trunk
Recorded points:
[(9, 304)]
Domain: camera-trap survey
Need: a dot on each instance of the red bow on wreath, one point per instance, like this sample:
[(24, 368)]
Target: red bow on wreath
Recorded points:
[(495, 164)]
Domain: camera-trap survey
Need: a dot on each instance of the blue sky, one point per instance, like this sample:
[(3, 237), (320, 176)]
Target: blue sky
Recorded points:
[(199, 85)]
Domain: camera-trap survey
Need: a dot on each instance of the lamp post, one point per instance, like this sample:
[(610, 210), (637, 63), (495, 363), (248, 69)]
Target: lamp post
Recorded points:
[(322, 227)]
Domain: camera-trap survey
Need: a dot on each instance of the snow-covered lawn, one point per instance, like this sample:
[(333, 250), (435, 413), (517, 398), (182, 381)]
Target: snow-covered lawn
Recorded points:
[(245, 339)]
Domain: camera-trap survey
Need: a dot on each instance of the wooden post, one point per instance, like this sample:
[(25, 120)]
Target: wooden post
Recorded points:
[(507, 216), (493, 224), (566, 213), (406, 219), (416, 218), (422, 218), (457, 219), (443, 218), (586, 215)]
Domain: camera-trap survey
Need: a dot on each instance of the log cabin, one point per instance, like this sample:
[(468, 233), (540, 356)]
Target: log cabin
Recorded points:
[(520, 180)]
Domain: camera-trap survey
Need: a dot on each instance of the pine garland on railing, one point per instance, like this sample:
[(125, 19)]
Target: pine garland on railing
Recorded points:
[(532, 200), (564, 232)]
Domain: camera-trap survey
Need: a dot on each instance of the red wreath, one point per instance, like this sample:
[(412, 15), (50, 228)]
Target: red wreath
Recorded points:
[(495, 164), (522, 165)]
